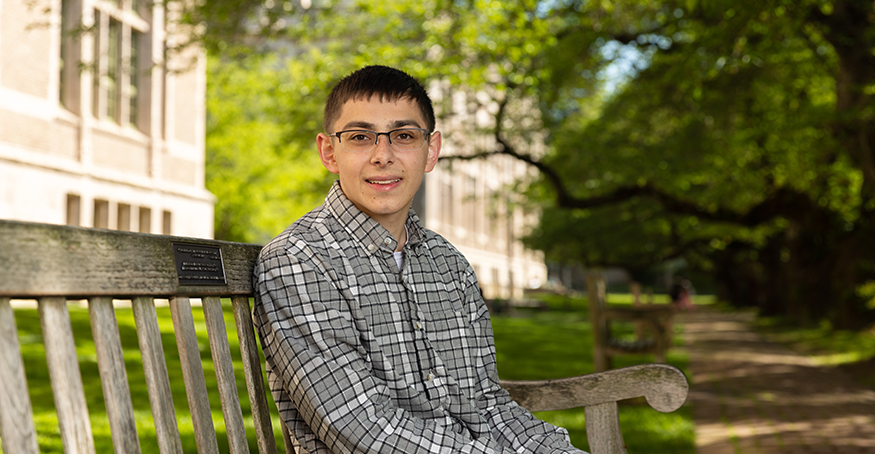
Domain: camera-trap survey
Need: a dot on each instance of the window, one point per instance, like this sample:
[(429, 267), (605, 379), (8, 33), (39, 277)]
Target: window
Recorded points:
[(120, 72), (134, 85), (166, 222), (145, 220), (101, 214), (124, 217), (68, 82), (73, 209)]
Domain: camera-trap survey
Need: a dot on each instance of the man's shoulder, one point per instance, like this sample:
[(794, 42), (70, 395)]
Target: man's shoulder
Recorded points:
[(441, 248), (310, 233)]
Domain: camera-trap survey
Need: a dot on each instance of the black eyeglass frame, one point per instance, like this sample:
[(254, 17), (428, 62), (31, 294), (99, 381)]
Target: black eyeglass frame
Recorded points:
[(377, 135)]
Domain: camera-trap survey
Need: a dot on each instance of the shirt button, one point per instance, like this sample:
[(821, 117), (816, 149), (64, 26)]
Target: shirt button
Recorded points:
[(371, 247), (387, 241), (429, 377), (417, 325)]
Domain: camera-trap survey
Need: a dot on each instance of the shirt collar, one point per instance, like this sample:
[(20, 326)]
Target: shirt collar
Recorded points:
[(364, 228)]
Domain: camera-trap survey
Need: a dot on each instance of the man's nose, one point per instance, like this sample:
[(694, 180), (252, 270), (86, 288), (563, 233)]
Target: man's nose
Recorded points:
[(382, 153)]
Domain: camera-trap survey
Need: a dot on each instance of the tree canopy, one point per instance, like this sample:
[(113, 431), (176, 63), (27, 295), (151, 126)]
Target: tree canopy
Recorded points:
[(736, 135)]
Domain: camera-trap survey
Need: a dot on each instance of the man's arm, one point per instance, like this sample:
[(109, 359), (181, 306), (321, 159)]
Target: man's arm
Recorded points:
[(315, 355), (512, 425)]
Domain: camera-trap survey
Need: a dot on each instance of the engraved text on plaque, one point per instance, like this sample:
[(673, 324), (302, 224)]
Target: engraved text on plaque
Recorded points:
[(198, 264)]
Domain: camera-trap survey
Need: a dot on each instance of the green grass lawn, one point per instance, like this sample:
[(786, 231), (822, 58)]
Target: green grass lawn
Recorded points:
[(530, 345)]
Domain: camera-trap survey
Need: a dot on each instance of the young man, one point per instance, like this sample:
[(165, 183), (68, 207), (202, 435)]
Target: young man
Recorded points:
[(374, 332)]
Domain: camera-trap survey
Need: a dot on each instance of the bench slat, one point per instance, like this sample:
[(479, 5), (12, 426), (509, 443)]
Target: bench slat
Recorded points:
[(157, 381), (225, 378), (16, 417), (193, 375), (288, 441), (73, 419), (254, 379), (113, 376), (70, 261)]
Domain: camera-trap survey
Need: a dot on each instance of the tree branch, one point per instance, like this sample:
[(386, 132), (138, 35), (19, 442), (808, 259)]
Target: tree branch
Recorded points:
[(784, 201)]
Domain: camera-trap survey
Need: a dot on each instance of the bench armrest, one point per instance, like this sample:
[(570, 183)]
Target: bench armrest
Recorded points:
[(664, 387)]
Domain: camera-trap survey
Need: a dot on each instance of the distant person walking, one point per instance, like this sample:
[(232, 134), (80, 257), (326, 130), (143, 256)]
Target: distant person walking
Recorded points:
[(681, 295)]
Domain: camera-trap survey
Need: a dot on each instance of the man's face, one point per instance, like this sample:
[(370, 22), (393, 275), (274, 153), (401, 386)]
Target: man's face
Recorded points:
[(380, 182)]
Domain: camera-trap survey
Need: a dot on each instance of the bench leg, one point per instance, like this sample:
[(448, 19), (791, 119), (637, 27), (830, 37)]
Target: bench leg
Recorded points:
[(603, 429)]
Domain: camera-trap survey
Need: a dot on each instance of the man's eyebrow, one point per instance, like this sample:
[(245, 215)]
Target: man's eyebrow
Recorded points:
[(359, 124), (403, 123)]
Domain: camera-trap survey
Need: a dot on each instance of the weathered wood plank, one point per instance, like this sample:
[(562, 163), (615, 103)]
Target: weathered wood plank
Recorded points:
[(157, 380), (66, 379), (225, 379), (193, 375), (16, 417), (288, 441), (603, 429), (56, 260), (113, 376), (254, 379), (663, 386)]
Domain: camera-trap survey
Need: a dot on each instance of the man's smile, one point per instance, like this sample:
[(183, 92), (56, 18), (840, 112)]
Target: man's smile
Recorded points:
[(384, 182)]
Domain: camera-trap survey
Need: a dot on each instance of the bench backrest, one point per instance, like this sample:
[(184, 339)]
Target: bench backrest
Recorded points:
[(58, 264), (55, 264)]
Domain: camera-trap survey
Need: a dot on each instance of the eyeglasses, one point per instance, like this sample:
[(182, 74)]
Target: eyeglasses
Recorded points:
[(362, 140)]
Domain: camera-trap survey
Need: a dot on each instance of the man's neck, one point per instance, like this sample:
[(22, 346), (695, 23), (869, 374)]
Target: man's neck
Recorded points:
[(400, 235)]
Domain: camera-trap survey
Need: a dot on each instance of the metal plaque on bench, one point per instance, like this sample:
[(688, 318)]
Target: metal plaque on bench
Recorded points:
[(198, 264)]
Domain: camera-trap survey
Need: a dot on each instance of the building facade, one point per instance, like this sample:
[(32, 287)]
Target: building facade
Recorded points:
[(470, 202), (96, 129)]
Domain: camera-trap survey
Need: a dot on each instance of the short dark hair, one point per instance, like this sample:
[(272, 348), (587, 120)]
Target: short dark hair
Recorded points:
[(389, 84)]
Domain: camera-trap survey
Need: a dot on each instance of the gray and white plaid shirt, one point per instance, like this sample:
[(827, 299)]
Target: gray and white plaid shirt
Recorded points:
[(364, 358)]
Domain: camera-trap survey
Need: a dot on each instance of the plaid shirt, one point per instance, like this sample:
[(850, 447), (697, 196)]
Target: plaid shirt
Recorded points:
[(363, 358)]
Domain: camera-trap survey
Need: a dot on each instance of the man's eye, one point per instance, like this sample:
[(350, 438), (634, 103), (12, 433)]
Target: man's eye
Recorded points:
[(404, 136), (359, 137)]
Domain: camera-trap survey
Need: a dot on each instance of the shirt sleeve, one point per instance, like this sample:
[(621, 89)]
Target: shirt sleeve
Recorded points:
[(317, 364), (512, 425)]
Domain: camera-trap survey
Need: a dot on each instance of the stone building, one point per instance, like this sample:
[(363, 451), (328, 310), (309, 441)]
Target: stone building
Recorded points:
[(469, 202), (96, 129)]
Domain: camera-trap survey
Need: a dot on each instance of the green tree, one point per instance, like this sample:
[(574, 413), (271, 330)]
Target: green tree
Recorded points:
[(262, 162), (736, 135), (741, 141)]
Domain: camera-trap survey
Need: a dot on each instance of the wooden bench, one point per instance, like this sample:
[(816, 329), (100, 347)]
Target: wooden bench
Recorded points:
[(58, 264), (656, 319)]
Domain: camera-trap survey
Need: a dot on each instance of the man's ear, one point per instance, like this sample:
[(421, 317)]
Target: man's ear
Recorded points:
[(434, 151), (326, 152)]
